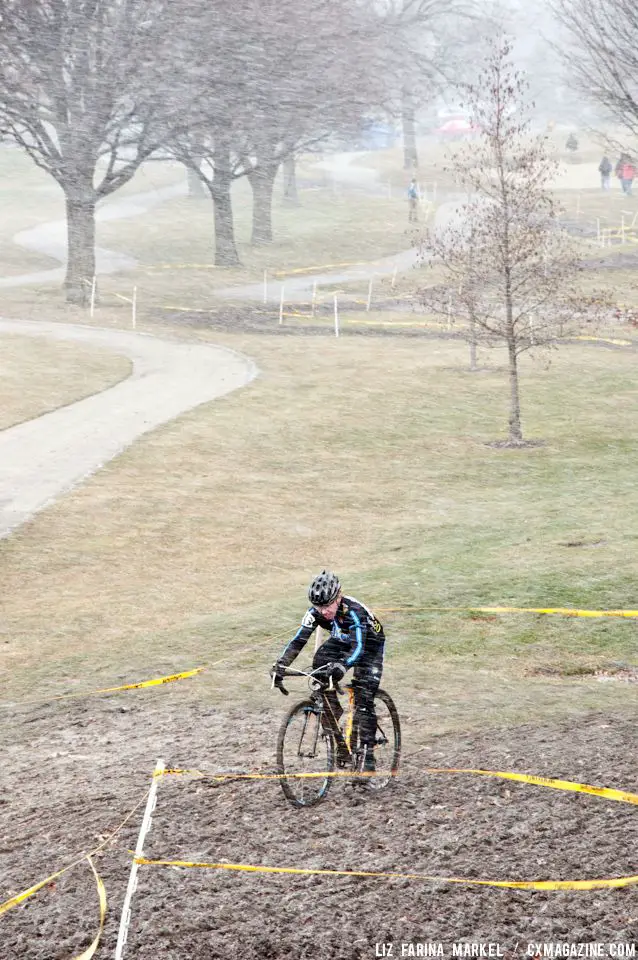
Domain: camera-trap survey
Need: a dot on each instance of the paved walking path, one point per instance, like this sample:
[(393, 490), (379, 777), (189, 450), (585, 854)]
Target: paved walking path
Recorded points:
[(47, 456)]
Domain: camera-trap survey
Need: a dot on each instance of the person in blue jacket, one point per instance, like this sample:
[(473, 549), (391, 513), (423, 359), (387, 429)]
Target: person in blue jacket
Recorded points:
[(356, 640)]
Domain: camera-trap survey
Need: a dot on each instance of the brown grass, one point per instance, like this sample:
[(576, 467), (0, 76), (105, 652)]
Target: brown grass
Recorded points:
[(38, 375), (367, 455)]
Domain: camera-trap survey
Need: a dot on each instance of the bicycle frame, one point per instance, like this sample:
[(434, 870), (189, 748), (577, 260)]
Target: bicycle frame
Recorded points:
[(319, 693)]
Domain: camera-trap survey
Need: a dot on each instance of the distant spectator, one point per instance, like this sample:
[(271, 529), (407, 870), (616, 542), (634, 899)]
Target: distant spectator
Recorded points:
[(572, 143), (619, 166), (627, 175), (604, 168), (413, 201)]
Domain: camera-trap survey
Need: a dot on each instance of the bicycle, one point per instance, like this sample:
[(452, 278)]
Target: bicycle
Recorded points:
[(312, 741)]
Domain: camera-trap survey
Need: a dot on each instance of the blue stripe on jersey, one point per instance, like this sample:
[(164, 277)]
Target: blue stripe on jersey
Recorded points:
[(359, 636)]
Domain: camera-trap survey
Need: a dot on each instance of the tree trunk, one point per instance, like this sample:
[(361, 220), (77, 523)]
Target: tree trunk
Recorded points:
[(410, 155), (290, 181), (516, 434), (80, 268), (225, 250), (262, 181)]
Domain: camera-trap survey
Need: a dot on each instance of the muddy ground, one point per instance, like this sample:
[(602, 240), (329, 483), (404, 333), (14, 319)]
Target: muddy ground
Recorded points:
[(72, 770)]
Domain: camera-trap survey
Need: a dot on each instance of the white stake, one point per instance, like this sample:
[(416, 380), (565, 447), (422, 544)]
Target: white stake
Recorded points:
[(281, 305), (93, 286), (314, 297), (394, 278), (598, 229), (134, 308), (336, 316), (139, 850), (265, 286), (369, 297), (531, 329)]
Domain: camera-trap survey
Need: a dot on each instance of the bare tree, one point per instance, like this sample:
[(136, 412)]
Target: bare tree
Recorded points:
[(600, 49), (83, 90), (510, 271), (284, 79)]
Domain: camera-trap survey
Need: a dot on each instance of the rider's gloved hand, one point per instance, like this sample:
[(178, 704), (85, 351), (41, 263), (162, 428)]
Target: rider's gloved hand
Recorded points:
[(337, 671), (277, 670)]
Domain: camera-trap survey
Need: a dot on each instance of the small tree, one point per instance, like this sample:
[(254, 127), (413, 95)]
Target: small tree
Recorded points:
[(510, 271)]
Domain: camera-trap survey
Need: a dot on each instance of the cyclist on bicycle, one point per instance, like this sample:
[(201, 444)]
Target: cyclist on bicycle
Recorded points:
[(356, 640)]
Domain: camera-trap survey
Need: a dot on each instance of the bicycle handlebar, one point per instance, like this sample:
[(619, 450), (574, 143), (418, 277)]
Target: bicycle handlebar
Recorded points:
[(313, 674)]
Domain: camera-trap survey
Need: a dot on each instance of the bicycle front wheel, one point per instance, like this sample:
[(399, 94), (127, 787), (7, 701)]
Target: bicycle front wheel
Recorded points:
[(387, 746), (304, 751)]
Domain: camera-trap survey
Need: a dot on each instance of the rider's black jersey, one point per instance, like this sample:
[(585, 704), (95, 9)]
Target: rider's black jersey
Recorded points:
[(355, 633)]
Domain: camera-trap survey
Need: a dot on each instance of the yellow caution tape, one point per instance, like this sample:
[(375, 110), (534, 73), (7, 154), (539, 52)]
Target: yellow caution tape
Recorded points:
[(321, 775), (101, 891), (393, 323), (596, 884), (308, 871), (168, 306), (182, 266), (620, 796), (156, 682), (561, 611), (323, 266), (20, 897)]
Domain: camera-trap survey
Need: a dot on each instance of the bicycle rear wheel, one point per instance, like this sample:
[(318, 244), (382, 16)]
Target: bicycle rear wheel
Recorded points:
[(387, 749), (304, 751)]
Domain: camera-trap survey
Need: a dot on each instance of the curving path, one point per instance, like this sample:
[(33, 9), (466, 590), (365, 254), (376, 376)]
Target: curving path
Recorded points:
[(47, 456)]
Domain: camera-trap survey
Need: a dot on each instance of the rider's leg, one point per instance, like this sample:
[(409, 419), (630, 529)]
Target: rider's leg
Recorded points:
[(367, 676)]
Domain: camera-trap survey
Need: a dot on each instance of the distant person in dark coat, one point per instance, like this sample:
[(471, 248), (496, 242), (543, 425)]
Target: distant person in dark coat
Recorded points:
[(604, 168)]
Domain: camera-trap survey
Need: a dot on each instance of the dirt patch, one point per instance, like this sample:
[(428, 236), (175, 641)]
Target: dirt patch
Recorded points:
[(250, 319), (76, 769)]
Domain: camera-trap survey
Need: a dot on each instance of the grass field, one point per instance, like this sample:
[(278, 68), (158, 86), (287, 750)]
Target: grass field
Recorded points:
[(41, 375), (200, 539), (197, 543)]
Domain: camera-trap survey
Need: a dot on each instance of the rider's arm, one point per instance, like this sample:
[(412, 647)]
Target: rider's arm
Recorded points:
[(357, 635), (308, 626)]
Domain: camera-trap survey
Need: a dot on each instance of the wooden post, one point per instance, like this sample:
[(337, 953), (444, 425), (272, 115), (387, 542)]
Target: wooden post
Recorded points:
[(369, 297), (314, 297)]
